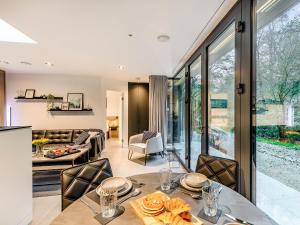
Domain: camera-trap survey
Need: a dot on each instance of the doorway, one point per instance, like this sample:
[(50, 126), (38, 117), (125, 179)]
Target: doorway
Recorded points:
[(114, 115)]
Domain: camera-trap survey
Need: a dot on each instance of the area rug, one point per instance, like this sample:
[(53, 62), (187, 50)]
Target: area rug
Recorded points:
[(46, 183)]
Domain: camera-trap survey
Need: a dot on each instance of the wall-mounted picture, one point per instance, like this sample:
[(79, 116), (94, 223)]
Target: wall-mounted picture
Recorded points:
[(29, 93), (75, 101), (65, 106)]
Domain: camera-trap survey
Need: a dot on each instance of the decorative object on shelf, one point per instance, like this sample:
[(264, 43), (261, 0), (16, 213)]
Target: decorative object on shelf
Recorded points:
[(39, 143), (29, 93), (20, 93), (75, 101), (75, 110), (50, 101), (65, 106), (57, 105)]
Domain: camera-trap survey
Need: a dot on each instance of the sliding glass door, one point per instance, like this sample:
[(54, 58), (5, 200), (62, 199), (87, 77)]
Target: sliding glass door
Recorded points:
[(179, 115), (196, 128), (277, 110), (221, 94)]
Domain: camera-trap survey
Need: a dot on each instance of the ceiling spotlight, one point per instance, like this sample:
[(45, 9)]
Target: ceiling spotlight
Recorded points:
[(130, 35), (163, 38), (5, 62), (26, 63), (121, 67), (49, 64)]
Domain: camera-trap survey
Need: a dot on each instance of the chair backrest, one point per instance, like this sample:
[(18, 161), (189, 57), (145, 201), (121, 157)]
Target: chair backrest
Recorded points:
[(224, 171), (79, 180)]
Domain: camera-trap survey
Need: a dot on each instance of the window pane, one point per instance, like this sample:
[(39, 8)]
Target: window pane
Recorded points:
[(196, 123), (221, 90), (179, 114), (277, 117), (169, 113)]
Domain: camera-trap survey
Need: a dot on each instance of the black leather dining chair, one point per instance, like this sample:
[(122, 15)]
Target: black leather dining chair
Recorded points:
[(224, 171), (81, 179)]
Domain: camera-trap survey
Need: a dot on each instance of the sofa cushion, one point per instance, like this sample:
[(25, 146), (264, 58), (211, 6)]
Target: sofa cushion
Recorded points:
[(147, 135), (38, 134), (59, 136), (81, 138)]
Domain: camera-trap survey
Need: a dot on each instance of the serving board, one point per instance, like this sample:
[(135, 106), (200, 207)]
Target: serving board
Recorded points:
[(150, 220)]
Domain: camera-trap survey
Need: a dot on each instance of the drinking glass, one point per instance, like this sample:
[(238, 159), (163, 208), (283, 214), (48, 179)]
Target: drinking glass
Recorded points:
[(165, 179), (210, 198), (108, 199)]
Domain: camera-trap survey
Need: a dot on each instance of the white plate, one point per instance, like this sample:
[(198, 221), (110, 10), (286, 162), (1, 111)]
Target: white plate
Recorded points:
[(183, 184), (118, 182), (126, 188), (195, 180)]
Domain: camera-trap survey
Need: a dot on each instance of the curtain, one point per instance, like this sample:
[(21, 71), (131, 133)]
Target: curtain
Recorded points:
[(158, 93)]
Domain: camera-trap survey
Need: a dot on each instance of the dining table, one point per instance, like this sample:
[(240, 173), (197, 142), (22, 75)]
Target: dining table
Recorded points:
[(78, 213)]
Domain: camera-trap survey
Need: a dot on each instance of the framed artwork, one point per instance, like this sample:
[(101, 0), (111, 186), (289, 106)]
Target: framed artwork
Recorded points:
[(65, 106), (75, 101), (29, 93)]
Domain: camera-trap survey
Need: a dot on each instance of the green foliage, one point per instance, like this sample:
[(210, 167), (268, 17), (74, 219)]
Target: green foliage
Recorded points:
[(268, 131), (293, 136), (288, 145)]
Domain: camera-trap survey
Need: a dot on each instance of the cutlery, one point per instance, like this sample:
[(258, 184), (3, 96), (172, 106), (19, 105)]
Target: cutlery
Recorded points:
[(194, 196), (237, 219), (136, 192), (88, 205)]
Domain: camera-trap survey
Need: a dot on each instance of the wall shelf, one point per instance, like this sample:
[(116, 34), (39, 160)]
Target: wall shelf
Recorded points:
[(59, 110), (38, 99)]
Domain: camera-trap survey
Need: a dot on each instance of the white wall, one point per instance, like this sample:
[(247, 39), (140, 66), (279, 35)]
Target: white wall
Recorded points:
[(16, 177), (113, 103), (35, 113)]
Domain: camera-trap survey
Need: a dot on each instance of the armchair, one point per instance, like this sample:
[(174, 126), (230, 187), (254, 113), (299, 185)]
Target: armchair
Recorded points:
[(152, 145)]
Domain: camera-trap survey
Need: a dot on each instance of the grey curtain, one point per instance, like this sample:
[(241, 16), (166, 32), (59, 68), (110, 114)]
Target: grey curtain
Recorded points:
[(158, 93)]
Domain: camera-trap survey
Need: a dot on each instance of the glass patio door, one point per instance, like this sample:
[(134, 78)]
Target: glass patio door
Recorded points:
[(196, 129), (277, 110), (221, 94)]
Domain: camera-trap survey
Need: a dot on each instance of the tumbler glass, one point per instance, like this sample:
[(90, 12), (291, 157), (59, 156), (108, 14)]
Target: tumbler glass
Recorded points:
[(165, 179), (108, 199), (210, 199)]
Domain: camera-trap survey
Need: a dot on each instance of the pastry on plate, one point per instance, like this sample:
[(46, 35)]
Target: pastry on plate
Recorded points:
[(169, 218), (177, 206)]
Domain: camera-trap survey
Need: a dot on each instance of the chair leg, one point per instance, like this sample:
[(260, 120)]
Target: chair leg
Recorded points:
[(130, 154), (162, 154), (145, 159)]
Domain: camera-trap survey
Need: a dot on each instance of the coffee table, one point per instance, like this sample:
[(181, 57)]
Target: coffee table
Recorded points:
[(64, 162)]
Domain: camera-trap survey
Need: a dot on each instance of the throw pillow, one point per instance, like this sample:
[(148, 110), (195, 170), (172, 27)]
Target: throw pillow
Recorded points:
[(147, 135), (92, 134), (81, 138)]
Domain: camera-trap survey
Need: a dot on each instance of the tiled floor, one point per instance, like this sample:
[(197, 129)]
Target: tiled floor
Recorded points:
[(45, 209)]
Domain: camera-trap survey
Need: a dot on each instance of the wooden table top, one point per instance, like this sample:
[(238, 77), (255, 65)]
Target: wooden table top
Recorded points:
[(79, 214)]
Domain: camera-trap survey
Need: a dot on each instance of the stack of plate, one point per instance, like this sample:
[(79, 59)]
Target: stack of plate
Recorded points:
[(193, 181), (122, 184)]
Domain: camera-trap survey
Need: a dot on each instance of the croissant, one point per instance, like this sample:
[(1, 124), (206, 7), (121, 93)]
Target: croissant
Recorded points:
[(176, 206)]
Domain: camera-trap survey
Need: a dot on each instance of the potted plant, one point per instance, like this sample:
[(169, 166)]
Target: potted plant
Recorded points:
[(50, 101), (39, 143)]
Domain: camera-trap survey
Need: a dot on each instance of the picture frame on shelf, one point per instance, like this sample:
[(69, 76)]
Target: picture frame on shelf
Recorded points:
[(29, 93), (75, 101), (65, 106), (57, 105)]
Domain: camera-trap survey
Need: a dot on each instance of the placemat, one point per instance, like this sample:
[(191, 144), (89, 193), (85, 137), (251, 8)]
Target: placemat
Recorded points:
[(212, 219), (93, 195), (102, 220)]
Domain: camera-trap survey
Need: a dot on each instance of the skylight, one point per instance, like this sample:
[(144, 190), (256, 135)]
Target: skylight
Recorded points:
[(10, 34)]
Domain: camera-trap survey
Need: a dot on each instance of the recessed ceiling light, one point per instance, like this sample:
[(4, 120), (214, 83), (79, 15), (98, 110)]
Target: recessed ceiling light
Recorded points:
[(49, 64), (26, 63), (130, 35), (163, 38), (10, 34), (5, 62), (121, 67)]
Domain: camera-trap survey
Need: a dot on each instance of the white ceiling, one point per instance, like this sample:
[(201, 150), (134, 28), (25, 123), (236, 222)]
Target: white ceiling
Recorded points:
[(90, 37)]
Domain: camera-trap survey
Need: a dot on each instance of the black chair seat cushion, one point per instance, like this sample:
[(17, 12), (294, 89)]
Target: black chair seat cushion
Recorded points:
[(79, 180), (224, 171)]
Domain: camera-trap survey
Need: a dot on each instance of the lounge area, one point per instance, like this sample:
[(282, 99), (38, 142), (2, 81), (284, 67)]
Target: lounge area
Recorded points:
[(150, 112)]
